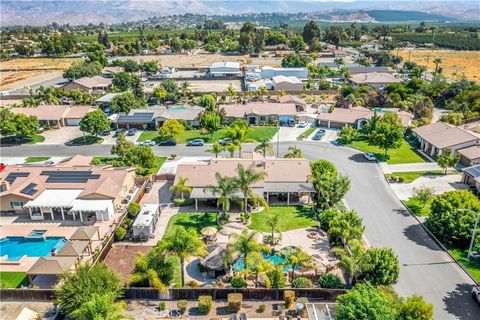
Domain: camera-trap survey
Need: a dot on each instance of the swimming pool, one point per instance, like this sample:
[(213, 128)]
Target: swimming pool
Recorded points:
[(238, 265), (16, 247), (176, 108)]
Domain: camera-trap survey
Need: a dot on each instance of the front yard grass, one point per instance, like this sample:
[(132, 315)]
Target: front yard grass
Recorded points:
[(404, 154), (417, 208), (13, 279), (191, 221), (408, 177), (87, 140), (473, 266), (36, 159), (292, 217), (306, 133), (27, 140)]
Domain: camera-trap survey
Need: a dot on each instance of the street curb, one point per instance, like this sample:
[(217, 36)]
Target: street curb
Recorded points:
[(432, 236)]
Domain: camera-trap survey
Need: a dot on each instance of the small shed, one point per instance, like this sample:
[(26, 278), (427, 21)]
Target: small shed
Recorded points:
[(214, 261), (145, 223)]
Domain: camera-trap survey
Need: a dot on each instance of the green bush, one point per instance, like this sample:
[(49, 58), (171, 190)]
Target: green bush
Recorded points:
[(126, 223), (289, 298), (238, 282), (277, 278), (183, 202), (182, 306), (261, 308), (204, 304), (95, 161), (234, 302), (330, 281), (161, 306), (302, 282), (120, 233), (133, 210)]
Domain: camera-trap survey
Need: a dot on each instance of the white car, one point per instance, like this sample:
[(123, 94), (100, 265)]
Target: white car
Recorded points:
[(302, 124), (147, 143), (370, 156)]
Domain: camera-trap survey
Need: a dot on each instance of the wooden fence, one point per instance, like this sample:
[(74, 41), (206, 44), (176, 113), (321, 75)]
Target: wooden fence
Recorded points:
[(26, 294)]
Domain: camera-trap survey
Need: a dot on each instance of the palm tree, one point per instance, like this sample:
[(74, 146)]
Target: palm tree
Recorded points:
[(282, 93), (239, 135), (352, 260), (231, 93), (296, 257), (264, 146), (247, 177), (437, 62), (47, 95), (258, 266), (243, 245), (184, 89), (180, 187), (348, 225), (294, 152), (231, 147), (226, 190), (183, 244), (100, 307), (29, 102), (216, 149), (273, 223)]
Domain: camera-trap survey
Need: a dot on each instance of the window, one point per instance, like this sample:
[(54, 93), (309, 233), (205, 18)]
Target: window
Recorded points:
[(262, 118), (16, 205)]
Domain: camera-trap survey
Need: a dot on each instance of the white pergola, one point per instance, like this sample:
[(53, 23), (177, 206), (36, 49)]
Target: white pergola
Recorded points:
[(53, 198), (99, 206)]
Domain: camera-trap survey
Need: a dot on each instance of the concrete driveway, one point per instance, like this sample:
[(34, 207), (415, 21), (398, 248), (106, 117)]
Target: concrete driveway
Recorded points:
[(61, 135), (330, 135), (288, 134)]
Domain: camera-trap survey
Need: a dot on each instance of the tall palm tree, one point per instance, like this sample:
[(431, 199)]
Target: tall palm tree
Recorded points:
[(226, 191), (239, 135), (352, 260), (273, 222), (243, 245), (185, 89), (264, 146), (100, 307), (293, 152), (184, 244), (216, 149), (47, 95), (437, 62), (296, 257), (247, 177), (231, 93), (180, 187), (231, 148), (348, 225), (29, 102), (259, 266)]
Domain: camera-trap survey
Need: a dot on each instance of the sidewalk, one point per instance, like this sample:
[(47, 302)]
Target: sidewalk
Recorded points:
[(409, 167), (439, 184)]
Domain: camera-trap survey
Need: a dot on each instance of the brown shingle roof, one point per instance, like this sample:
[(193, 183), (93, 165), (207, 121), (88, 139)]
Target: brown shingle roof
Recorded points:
[(443, 135), (44, 112), (374, 78), (471, 153), (292, 99), (78, 112), (94, 82), (52, 265), (84, 233), (260, 109), (343, 115), (72, 249)]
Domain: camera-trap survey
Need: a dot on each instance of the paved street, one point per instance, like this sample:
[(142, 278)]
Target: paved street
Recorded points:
[(425, 268)]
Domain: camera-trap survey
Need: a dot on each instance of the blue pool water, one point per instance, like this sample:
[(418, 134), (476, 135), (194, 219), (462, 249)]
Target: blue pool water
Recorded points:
[(238, 265), (379, 110), (16, 247), (177, 108)]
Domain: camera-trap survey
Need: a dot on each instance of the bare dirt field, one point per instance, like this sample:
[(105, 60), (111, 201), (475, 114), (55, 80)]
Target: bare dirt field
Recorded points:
[(213, 85), (37, 63), (454, 63), (121, 258)]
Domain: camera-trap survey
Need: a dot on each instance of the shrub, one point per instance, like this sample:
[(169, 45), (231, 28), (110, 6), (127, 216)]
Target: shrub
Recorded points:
[(95, 161), (302, 282), (238, 282), (120, 233), (126, 223), (277, 278), (289, 298), (161, 306), (183, 202), (204, 304), (182, 306), (192, 284), (234, 302), (133, 210), (261, 308), (330, 281)]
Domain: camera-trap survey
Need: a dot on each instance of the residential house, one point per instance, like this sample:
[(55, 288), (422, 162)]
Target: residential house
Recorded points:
[(224, 69), (106, 100), (470, 156), (299, 102), (154, 117), (471, 176), (72, 189), (357, 117), (56, 116), (256, 113), (270, 72), (286, 180), (96, 84), (109, 72), (373, 79), (287, 83), (438, 136), (362, 69)]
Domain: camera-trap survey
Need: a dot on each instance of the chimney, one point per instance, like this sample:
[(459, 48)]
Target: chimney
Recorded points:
[(5, 185)]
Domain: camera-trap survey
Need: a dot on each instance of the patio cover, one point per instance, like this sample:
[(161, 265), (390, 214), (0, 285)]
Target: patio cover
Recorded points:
[(52, 198), (52, 265), (199, 193), (73, 249), (289, 187), (90, 205), (84, 233)]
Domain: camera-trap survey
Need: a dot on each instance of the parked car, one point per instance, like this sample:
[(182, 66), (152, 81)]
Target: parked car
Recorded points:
[(225, 141), (169, 142), (319, 135), (147, 143), (105, 133), (302, 124), (370, 156), (118, 131), (149, 186), (48, 162), (196, 143), (131, 132), (291, 123), (476, 293)]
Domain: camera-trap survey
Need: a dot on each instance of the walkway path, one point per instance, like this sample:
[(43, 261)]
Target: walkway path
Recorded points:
[(410, 167)]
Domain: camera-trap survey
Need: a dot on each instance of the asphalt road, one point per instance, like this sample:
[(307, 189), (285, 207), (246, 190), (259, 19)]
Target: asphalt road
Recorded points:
[(425, 269)]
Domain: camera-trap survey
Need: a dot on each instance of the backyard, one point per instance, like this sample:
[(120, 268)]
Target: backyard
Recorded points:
[(292, 217), (404, 154), (256, 134), (13, 279), (191, 221)]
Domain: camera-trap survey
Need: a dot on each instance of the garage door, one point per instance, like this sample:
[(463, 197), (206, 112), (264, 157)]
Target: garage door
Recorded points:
[(72, 122)]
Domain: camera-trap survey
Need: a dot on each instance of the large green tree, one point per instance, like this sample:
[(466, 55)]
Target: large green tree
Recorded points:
[(447, 160), (243, 244), (311, 32), (171, 128), (381, 266), (100, 307), (95, 122), (225, 191), (388, 132), (122, 81), (247, 177), (125, 102)]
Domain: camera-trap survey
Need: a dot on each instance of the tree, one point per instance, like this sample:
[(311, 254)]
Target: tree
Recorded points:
[(231, 148), (180, 187), (82, 69), (184, 244), (172, 89), (415, 308), (388, 133), (296, 257), (125, 102), (258, 266), (122, 146), (231, 92), (452, 215), (447, 160), (347, 225), (160, 93), (243, 244), (122, 81), (171, 128), (273, 222), (7, 122), (381, 267), (295, 61), (208, 101), (423, 194), (352, 260), (437, 62), (331, 188), (296, 43), (347, 134), (237, 131), (247, 177), (47, 95), (77, 288), (215, 149), (95, 122), (264, 146), (364, 302), (25, 125), (293, 152), (335, 35), (225, 191), (311, 32), (101, 307), (96, 53), (210, 121)]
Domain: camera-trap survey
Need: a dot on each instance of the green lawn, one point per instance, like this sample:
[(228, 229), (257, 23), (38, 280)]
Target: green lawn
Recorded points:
[(192, 221), (292, 217), (473, 266), (408, 177), (417, 208), (27, 140), (306, 133), (256, 134), (13, 279), (159, 161), (404, 154), (36, 159)]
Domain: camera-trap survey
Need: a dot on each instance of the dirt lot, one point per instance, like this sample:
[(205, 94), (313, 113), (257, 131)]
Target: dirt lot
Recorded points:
[(454, 63), (121, 258), (38, 63)]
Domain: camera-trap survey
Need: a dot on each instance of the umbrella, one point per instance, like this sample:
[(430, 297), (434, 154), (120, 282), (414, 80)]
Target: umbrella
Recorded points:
[(299, 306), (208, 231)]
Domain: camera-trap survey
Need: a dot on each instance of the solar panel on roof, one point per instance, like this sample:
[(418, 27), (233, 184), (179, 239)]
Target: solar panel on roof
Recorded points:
[(30, 189), (69, 176), (473, 171), (140, 117), (14, 175)]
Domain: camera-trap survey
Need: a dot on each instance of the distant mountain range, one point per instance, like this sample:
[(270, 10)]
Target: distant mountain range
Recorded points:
[(116, 11)]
